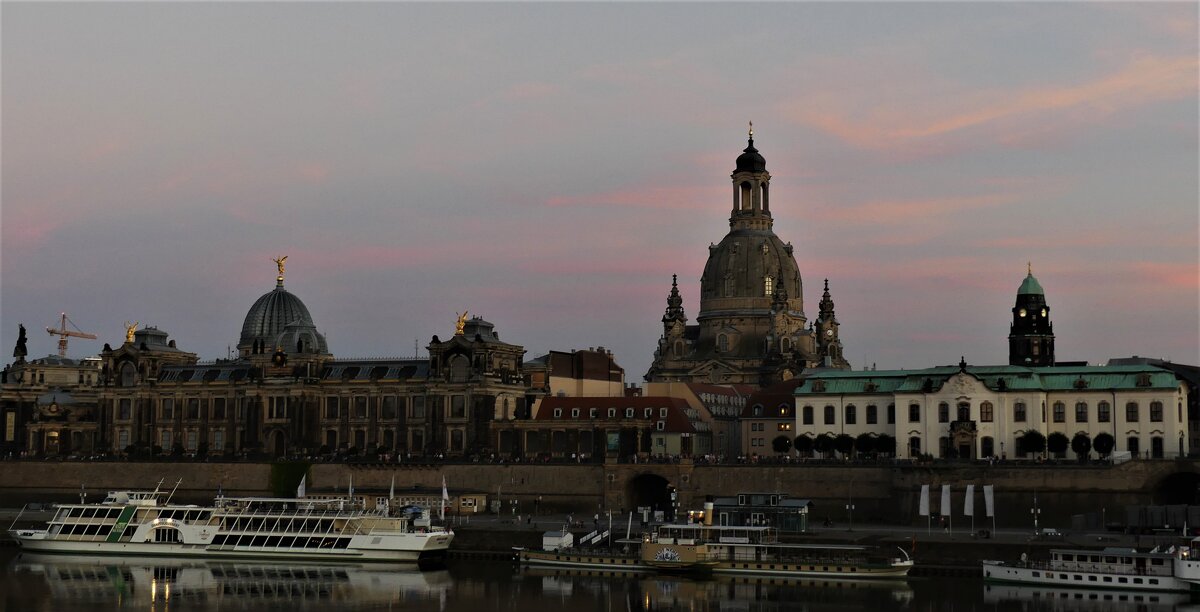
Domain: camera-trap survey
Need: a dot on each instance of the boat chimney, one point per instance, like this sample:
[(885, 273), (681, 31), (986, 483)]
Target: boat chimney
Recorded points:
[(708, 511)]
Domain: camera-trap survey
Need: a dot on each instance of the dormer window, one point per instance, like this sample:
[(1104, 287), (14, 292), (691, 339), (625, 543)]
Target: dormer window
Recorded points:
[(662, 426), (662, 412), (574, 413), (592, 413), (649, 412), (557, 412), (629, 413), (612, 413)]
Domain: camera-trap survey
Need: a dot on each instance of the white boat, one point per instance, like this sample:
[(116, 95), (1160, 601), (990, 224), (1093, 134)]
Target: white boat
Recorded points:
[(1175, 570), (145, 523)]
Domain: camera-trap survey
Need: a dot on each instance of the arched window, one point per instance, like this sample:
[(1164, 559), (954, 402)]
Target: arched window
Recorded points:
[(785, 345), (829, 415), (964, 411), (722, 343), (914, 446), (1156, 413), (128, 375), (679, 348), (1156, 447), (1081, 412), (1103, 412), (1060, 412), (808, 415), (729, 288), (1131, 412), (987, 446), (943, 412), (985, 416), (746, 192), (851, 414), (1019, 412), (768, 286)]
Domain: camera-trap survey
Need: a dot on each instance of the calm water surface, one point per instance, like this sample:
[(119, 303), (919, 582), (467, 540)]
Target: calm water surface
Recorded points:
[(93, 584)]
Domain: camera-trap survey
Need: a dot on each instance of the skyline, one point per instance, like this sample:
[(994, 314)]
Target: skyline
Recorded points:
[(549, 167)]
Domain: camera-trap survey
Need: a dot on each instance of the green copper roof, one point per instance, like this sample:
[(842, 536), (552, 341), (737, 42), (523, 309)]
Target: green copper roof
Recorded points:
[(1030, 286), (1015, 378)]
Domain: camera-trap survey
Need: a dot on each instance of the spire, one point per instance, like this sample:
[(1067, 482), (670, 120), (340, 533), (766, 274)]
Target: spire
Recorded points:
[(674, 302), (826, 303)]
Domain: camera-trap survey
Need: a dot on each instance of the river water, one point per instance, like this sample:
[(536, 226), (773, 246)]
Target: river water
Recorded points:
[(55, 583)]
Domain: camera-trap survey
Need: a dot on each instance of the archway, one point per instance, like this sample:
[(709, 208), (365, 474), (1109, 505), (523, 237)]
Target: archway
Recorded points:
[(1178, 488), (648, 490)]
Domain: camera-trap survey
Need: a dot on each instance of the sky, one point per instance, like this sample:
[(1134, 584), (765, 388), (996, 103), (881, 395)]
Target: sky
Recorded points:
[(549, 167)]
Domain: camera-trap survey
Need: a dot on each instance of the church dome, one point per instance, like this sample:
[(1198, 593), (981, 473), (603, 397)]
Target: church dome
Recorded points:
[(751, 160), (279, 317), (1030, 286), (739, 267)]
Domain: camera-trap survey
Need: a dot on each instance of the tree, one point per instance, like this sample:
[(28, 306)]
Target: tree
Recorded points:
[(1058, 443), (823, 444), (885, 444), (1103, 444), (864, 443), (1082, 445), (781, 444), (844, 444), (1032, 442), (804, 444)]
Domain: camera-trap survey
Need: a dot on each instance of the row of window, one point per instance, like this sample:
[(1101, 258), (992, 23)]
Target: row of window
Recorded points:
[(1020, 412), (850, 414), (593, 413), (987, 446)]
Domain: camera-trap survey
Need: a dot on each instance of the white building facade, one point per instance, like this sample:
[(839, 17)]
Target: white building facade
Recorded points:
[(976, 412)]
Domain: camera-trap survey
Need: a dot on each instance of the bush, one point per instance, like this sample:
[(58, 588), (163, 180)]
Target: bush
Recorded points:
[(885, 444), (1104, 444), (844, 444), (1058, 443), (804, 444), (823, 444), (1032, 442), (781, 444), (1082, 445)]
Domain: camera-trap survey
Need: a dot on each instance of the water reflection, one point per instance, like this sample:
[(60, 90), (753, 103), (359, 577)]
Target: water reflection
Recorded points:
[(115, 582), (1030, 597)]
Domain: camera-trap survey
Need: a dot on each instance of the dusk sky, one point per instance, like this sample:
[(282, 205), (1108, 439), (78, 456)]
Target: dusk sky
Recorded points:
[(550, 166)]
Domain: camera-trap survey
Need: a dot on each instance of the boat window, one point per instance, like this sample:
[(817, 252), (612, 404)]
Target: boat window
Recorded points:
[(1078, 577), (1068, 557), (1108, 578), (1156, 562), (1137, 580), (1153, 580), (1110, 559), (1037, 574), (1095, 558), (1122, 580), (1091, 578)]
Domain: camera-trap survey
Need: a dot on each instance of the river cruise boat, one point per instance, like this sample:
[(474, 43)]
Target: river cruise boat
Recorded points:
[(725, 550), (145, 523), (1175, 570)]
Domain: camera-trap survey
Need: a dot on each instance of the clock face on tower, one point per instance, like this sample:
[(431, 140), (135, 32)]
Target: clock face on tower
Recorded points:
[(829, 333), (1043, 313), (1022, 312)]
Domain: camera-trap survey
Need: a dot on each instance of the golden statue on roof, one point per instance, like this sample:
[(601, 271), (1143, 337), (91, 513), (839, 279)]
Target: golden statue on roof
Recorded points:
[(279, 261), (129, 329), (462, 322)]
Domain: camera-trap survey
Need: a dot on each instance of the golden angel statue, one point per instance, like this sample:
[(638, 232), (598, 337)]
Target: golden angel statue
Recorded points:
[(279, 261), (462, 322), (129, 329)]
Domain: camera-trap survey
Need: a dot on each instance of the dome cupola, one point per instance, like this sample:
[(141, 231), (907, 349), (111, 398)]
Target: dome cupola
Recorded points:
[(279, 319)]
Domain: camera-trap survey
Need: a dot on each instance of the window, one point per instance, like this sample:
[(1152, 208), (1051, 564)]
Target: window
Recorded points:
[(829, 414), (331, 438), (808, 415), (943, 412), (1156, 412), (649, 412), (277, 409), (557, 412), (891, 414), (331, 407), (387, 408), (722, 343), (574, 413), (1132, 445), (1081, 412), (662, 413), (458, 406), (418, 407), (768, 286), (784, 427), (1103, 412), (193, 440), (360, 406), (218, 409), (629, 413), (914, 446), (964, 411), (122, 439), (164, 439), (1131, 412), (1060, 412), (193, 408), (218, 440), (1019, 412), (124, 409), (592, 412), (662, 425), (612, 413), (986, 413), (851, 414), (872, 414), (168, 409), (914, 413)]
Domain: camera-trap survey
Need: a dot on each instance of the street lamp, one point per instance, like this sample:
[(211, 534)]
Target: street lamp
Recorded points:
[(1035, 511), (850, 513)]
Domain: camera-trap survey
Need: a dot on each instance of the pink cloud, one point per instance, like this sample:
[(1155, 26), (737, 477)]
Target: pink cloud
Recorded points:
[(894, 211), (677, 197), (1173, 275), (930, 125), (27, 232)]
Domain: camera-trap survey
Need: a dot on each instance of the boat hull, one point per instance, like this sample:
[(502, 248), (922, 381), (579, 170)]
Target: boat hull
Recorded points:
[(619, 563), (429, 549), (1000, 572)]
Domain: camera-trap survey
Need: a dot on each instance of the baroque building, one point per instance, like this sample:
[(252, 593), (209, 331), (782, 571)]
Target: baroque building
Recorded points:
[(1031, 335), (751, 327)]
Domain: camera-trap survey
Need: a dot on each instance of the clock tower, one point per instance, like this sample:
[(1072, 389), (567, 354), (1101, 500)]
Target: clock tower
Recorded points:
[(1031, 335)]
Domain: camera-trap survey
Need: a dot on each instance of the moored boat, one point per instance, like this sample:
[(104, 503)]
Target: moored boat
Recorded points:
[(145, 523), (1126, 569)]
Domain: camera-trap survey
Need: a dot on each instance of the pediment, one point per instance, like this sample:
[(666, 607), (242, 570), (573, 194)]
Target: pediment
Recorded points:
[(963, 384)]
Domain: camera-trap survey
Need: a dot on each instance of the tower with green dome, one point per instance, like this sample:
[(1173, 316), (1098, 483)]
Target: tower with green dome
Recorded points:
[(1031, 335)]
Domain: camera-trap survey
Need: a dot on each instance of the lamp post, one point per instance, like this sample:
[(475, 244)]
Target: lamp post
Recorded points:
[(850, 515), (1035, 511)]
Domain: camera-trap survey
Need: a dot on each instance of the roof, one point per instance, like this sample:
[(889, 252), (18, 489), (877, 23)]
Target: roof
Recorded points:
[(996, 378), (676, 420), (1030, 286)]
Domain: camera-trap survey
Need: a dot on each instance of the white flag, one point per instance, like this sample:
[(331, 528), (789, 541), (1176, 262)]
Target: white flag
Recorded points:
[(350, 491), (392, 491), (945, 508), (445, 497), (989, 503), (300, 489), (924, 509), (969, 505)]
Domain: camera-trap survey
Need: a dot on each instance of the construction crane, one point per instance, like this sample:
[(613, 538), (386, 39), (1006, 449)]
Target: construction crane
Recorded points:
[(63, 333)]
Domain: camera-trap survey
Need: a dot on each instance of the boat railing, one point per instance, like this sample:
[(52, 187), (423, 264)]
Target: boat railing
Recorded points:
[(1099, 568)]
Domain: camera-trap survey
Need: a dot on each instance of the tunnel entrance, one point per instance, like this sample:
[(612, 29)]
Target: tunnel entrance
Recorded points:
[(1178, 488), (648, 490)]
